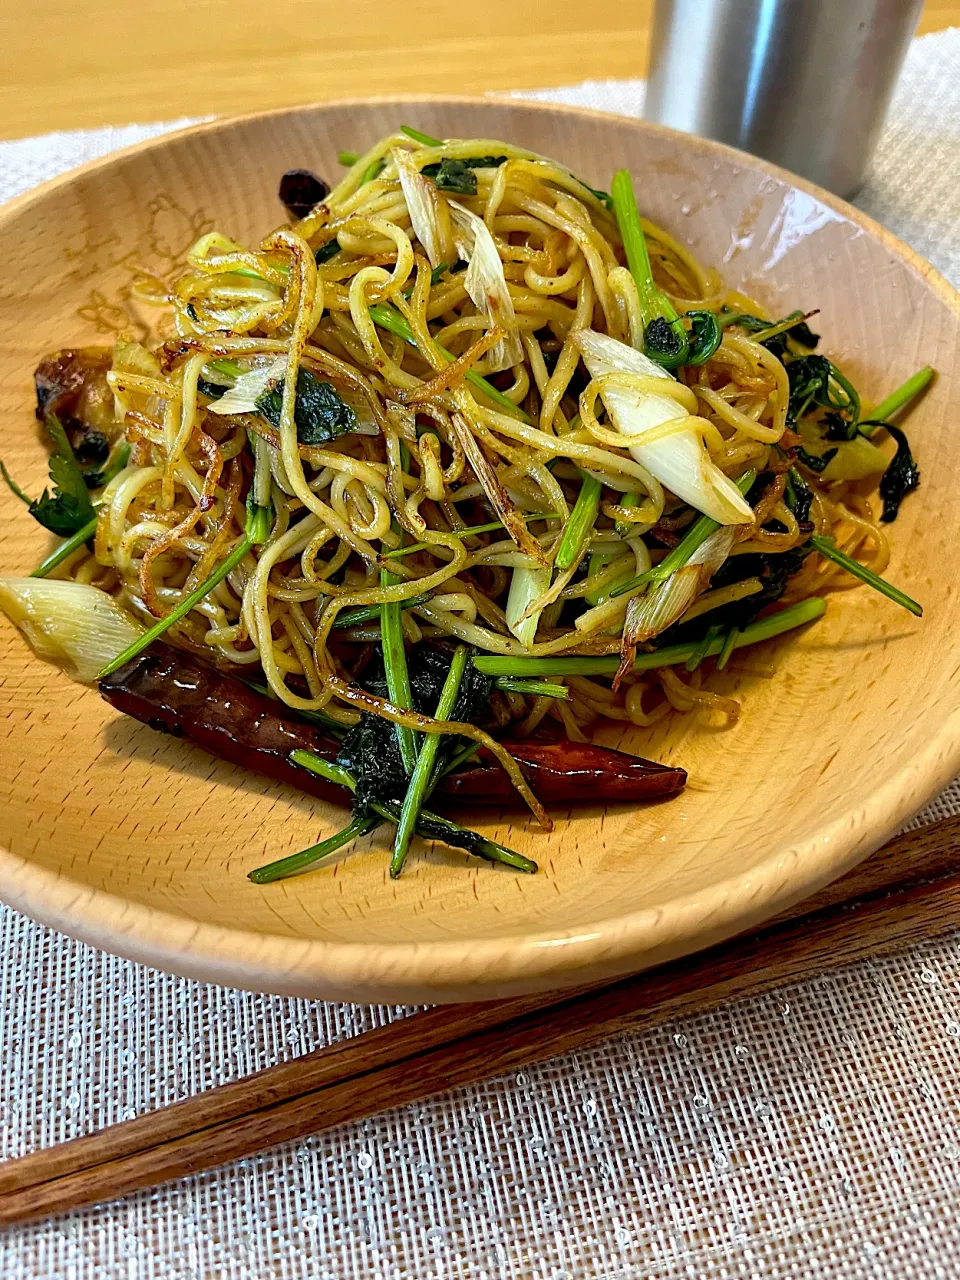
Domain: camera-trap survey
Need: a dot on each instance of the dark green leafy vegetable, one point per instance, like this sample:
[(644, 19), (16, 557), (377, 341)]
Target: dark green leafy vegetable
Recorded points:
[(799, 329), (458, 175), (705, 336), (816, 461), (319, 412), (324, 252), (68, 508), (429, 825), (900, 477), (370, 750), (798, 496), (604, 197)]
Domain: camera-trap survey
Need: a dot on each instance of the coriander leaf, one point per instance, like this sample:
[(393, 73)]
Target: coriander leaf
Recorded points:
[(900, 477), (319, 412), (68, 508)]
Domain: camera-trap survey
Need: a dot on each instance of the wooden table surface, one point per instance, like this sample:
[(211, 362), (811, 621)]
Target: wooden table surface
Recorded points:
[(66, 64)]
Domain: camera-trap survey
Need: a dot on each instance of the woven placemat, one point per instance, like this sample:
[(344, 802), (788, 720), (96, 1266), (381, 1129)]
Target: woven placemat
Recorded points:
[(814, 1132)]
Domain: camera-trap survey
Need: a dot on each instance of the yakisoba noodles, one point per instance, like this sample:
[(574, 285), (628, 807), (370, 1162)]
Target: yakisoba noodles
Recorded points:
[(463, 397)]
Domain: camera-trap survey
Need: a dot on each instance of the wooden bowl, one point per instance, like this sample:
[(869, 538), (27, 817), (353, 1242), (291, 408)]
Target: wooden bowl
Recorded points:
[(140, 844)]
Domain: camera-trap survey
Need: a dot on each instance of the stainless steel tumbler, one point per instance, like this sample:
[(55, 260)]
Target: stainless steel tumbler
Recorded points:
[(804, 83)]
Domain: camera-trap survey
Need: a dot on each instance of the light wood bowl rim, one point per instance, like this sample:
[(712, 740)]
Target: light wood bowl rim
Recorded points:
[(474, 968)]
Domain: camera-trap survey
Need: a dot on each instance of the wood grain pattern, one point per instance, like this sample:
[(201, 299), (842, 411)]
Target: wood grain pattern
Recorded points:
[(106, 66), (139, 844), (909, 890)]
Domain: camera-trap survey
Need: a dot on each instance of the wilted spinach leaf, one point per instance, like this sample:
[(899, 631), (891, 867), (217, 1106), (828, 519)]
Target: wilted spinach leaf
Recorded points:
[(370, 751), (816, 461), (319, 412), (458, 175), (900, 477)]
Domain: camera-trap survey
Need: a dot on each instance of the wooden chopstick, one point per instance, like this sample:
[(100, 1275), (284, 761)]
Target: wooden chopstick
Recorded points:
[(910, 889)]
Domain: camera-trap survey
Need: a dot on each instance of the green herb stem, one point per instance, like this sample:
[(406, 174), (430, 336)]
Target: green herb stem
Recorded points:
[(416, 791), (417, 136), (900, 398), (430, 825), (829, 549), (795, 615), (13, 486), (729, 643), (580, 524), (625, 528), (387, 317), (298, 862), (370, 612), (395, 670), (654, 304), (703, 646), (347, 158), (65, 549), (535, 688), (328, 769), (693, 539), (257, 530)]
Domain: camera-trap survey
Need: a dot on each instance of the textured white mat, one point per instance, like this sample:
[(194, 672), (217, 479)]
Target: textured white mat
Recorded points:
[(810, 1133)]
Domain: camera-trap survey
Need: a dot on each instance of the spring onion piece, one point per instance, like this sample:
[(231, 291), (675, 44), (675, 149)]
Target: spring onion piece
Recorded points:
[(418, 194), (373, 169), (417, 136), (664, 336), (74, 625), (526, 586), (693, 539), (257, 531), (580, 524), (65, 549), (651, 612), (701, 650), (729, 643), (389, 318), (347, 158), (413, 800), (486, 283), (898, 399), (625, 527), (829, 549), (535, 688), (795, 615), (680, 461)]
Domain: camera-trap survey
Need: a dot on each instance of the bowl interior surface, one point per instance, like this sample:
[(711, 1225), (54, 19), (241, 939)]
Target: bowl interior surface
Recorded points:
[(140, 843)]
